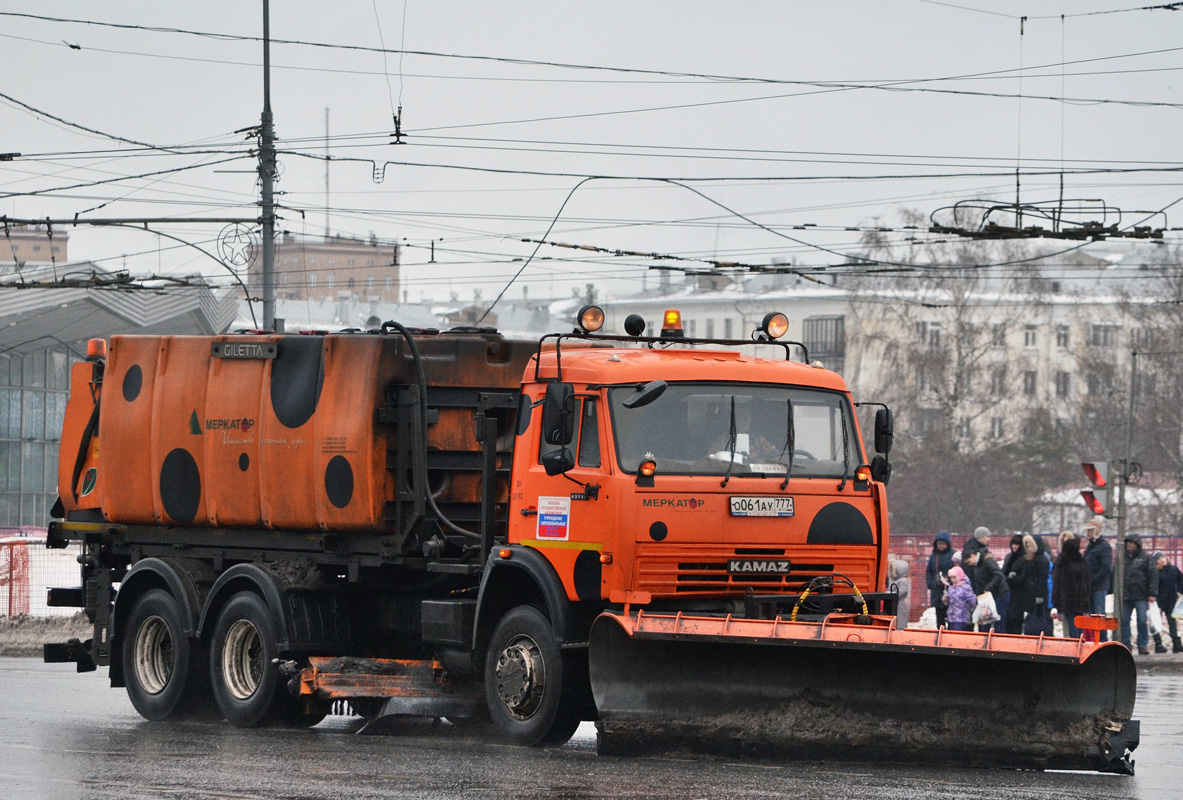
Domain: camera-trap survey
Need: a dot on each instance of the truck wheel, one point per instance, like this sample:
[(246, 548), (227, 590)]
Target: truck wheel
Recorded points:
[(246, 684), (160, 663), (524, 681)]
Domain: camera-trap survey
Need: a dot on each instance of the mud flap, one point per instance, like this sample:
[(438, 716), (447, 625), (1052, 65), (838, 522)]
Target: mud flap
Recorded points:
[(71, 652), (818, 693)]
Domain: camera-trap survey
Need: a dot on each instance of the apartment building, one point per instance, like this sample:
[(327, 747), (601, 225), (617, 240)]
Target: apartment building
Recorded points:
[(23, 244), (332, 268), (980, 363)]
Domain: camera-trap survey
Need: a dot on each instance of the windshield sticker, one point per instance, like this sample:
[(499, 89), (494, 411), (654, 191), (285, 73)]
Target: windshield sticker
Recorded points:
[(554, 518)]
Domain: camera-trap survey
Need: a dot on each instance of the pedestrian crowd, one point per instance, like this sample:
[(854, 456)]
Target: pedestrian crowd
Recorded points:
[(1032, 588)]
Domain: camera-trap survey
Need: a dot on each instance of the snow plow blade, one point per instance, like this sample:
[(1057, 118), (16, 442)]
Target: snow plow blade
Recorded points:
[(837, 689)]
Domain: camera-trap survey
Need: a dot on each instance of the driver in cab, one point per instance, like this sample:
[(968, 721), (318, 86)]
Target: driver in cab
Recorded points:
[(754, 440)]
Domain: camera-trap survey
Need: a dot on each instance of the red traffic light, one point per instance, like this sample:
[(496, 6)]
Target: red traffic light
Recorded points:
[(1098, 498), (1096, 473), (1093, 503)]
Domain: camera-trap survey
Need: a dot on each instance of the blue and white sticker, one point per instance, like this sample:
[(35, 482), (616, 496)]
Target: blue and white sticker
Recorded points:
[(554, 518)]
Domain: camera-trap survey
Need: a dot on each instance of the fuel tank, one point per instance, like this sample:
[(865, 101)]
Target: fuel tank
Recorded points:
[(275, 431)]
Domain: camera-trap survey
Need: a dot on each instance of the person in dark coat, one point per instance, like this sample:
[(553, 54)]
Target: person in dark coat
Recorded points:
[(1008, 566), (1099, 557), (1170, 586), (1028, 584), (976, 543), (1012, 620), (1138, 591), (1070, 586), (1043, 618), (940, 561)]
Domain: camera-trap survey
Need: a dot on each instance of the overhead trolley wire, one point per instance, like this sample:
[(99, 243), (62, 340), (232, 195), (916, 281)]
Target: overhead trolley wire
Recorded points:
[(897, 85), (118, 179), (380, 165)]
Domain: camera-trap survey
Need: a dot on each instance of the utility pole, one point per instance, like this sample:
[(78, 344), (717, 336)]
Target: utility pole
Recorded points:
[(1119, 609), (328, 156), (267, 178)]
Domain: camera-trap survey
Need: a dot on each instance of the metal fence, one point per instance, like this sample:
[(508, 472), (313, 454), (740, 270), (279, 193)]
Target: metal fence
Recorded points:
[(915, 549), (28, 569)]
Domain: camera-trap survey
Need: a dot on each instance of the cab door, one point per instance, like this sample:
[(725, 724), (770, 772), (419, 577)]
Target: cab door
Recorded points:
[(565, 516)]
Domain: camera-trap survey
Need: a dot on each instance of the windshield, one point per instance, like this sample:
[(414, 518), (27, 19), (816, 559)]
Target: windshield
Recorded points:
[(701, 428)]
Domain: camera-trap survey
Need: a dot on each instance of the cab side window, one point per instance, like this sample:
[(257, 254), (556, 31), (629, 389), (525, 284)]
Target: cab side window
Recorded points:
[(587, 443), (589, 435)]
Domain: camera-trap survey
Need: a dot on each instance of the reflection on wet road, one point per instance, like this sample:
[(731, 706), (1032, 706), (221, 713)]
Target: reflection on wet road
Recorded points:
[(67, 736)]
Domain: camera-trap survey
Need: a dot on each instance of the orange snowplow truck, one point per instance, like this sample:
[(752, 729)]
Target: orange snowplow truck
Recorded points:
[(681, 539)]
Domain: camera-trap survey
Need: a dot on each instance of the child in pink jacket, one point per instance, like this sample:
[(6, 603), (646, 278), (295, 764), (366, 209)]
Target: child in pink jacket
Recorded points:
[(961, 601)]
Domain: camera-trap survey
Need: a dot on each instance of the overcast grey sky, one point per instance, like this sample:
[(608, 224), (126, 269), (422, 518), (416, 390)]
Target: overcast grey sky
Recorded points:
[(928, 112)]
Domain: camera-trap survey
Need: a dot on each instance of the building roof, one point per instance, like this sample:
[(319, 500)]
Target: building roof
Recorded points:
[(32, 319)]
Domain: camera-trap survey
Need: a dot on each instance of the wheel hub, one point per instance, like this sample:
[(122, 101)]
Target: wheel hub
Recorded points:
[(242, 659), (521, 677), (153, 655)]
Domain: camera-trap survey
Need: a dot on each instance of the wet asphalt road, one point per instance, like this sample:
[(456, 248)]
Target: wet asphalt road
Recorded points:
[(64, 736)]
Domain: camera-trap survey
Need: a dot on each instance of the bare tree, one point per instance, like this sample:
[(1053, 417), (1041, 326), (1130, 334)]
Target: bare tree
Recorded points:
[(945, 335), (1150, 324)]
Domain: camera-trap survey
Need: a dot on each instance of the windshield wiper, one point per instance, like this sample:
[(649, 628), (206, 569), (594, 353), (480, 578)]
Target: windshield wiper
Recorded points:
[(790, 444), (731, 442)]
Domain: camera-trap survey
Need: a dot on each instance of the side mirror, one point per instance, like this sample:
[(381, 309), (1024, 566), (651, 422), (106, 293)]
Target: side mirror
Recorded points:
[(880, 469), (556, 462), (884, 431), (645, 394), (558, 414)]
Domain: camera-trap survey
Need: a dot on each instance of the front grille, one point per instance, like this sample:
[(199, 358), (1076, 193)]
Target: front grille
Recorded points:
[(703, 569)]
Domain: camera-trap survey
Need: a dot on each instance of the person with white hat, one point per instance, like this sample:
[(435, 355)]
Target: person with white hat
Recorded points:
[(1099, 557)]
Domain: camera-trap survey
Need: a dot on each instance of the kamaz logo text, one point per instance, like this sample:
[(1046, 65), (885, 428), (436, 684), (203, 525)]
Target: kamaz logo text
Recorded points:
[(766, 567)]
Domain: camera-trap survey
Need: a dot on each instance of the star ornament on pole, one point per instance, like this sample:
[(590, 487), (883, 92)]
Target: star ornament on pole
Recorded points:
[(237, 245)]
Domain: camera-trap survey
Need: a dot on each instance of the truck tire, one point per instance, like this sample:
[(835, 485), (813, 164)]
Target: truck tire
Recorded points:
[(246, 683), (161, 664), (524, 681)]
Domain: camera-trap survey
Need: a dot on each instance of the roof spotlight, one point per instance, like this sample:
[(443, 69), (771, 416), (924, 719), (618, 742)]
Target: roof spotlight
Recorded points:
[(634, 324), (591, 318), (775, 325)]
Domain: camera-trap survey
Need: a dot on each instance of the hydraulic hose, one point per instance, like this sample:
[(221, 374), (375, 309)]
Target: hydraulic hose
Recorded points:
[(421, 380), (92, 426), (829, 580)]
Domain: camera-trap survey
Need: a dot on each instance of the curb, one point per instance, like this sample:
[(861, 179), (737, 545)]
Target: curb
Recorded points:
[(1160, 664)]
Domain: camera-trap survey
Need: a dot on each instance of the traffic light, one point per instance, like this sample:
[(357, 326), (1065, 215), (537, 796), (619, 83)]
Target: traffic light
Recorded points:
[(1098, 498)]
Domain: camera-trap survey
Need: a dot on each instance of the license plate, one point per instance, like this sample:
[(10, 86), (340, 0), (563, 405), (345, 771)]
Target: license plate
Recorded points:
[(761, 506)]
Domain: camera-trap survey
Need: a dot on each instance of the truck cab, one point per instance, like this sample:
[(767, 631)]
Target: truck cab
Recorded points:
[(697, 478)]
